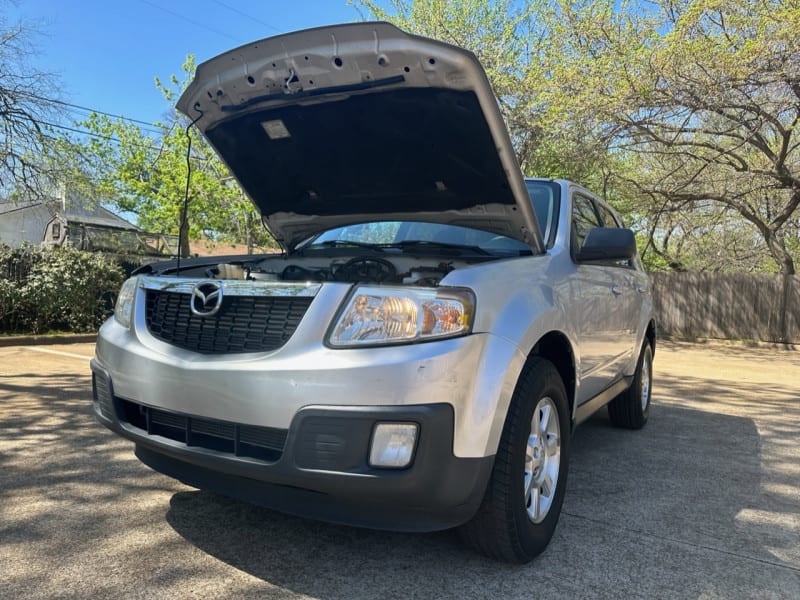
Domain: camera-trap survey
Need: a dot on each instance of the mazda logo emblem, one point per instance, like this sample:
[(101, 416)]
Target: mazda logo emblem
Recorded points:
[(206, 298)]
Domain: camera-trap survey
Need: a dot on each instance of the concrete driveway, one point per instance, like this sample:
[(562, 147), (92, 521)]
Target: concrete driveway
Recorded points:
[(703, 503)]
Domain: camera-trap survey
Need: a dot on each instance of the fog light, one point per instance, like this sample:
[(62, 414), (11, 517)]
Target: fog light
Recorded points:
[(393, 445)]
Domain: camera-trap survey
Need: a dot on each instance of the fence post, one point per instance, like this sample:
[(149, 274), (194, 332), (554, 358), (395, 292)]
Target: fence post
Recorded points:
[(783, 317)]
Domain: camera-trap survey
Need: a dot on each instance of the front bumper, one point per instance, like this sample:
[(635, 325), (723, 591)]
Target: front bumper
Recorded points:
[(316, 468), (474, 374)]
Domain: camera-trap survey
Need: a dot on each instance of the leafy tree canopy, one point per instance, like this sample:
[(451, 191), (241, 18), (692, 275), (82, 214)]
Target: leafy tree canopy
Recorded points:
[(683, 113), (145, 173)]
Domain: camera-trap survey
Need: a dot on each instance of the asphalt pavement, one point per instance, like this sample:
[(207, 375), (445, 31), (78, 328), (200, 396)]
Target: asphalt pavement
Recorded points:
[(702, 503)]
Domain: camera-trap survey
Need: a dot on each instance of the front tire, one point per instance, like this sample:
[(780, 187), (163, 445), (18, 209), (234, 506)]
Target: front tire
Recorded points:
[(523, 499), (632, 407)]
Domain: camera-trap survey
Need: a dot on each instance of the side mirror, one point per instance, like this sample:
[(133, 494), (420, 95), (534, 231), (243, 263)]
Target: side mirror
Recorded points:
[(607, 243)]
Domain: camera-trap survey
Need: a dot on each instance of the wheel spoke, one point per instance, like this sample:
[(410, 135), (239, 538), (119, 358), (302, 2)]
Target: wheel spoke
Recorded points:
[(528, 484), (547, 486), (532, 439), (545, 418), (533, 507), (536, 425), (552, 444), (551, 447)]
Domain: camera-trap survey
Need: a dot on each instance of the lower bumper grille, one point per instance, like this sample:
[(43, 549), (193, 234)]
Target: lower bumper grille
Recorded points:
[(262, 443)]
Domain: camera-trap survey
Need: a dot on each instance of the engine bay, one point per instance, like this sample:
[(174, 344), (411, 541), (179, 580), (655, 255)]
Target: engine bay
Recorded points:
[(349, 268)]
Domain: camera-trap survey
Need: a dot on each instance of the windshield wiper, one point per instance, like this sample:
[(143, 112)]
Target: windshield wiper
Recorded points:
[(438, 246), (343, 244)]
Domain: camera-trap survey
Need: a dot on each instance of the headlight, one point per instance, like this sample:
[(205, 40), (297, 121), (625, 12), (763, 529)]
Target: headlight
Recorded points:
[(377, 315), (123, 309)]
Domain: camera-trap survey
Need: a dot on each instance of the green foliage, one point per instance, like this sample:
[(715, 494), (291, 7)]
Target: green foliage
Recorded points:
[(63, 289), (509, 40), (144, 173), (701, 97), (9, 303), (683, 114)]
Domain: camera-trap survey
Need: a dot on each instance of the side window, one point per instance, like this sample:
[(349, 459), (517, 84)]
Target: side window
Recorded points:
[(584, 218), (545, 204), (609, 219)]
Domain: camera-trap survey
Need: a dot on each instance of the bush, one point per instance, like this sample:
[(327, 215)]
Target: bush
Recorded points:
[(9, 303), (63, 289)]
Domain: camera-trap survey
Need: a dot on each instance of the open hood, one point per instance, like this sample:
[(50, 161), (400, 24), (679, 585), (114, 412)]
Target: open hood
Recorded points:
[(361, 122)]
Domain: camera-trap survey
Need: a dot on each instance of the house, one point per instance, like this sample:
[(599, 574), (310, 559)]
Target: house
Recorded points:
[(23, 222), (88, 226)]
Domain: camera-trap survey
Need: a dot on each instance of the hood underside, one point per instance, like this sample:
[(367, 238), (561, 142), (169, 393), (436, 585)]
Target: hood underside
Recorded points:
[(362, 122)]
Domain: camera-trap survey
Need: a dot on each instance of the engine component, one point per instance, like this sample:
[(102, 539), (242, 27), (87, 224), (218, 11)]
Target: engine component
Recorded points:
[(365, 270)]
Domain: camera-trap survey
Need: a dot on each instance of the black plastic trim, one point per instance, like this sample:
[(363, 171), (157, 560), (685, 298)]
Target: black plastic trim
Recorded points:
[(591, 406), (335, 483)]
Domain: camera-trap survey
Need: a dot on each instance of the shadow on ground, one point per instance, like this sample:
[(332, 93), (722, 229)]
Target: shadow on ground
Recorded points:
[(64, 481), (701, 503), (642, 510)]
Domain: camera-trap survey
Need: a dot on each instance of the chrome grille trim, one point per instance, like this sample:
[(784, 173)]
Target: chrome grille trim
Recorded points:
[(232, 287)]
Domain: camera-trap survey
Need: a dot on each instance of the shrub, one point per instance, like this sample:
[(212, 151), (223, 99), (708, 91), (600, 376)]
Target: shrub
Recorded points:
[(65, 289)]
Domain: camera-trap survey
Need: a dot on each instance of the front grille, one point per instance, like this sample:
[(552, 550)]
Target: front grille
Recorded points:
[(242, 324), (262, 443)]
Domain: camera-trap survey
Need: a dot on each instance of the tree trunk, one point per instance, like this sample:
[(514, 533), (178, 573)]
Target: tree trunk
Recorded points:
[(777, 248), (183, 234)]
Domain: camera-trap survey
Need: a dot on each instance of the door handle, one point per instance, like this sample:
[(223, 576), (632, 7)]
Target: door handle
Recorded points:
[(641, 289), (615, 289)]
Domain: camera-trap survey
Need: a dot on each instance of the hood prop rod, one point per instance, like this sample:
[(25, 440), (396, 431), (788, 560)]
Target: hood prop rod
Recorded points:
[(185, 212)]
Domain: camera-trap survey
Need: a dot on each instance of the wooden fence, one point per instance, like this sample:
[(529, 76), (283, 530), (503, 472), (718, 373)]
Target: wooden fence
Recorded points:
[(737, 306)]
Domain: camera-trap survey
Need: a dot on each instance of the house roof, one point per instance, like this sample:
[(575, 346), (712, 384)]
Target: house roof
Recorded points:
[(96, 215), (7, 207), (77, 211)]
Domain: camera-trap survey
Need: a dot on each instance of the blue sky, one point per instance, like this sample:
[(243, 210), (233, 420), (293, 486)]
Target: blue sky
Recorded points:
[(107, 53)]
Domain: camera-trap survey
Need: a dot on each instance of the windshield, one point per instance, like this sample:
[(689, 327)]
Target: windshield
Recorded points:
[(418, 235)]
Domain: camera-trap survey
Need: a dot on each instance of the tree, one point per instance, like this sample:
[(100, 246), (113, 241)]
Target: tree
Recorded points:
[(26, 110), (672, 110), (512, 41), (706, 93), (145, 173), (518, 45)]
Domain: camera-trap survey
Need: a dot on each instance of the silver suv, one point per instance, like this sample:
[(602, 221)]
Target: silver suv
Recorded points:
[(419, 355)]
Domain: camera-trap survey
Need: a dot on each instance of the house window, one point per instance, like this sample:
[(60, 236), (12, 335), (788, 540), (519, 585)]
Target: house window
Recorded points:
[(56, 235)]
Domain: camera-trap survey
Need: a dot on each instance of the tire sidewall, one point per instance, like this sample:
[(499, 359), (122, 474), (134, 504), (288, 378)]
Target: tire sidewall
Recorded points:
[(534, 537), (646, 355)]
